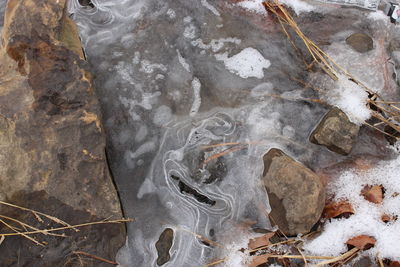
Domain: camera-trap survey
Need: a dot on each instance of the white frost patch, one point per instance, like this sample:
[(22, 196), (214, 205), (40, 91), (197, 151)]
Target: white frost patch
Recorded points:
[(210, 7), (171, 13), (196, 86), (248, 63), (183, 62), (350, 98), (216, 44), (190, 30), (367, 217), (147, 67), (255, 6), (162, 115), (298, 6)]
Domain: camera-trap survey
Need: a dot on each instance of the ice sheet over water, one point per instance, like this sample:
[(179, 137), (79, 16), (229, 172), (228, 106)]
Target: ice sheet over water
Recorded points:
[(168, 100)]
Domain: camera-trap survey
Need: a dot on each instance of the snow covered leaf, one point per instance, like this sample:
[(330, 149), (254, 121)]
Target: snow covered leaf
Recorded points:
[(258, 260), (362, 242), (373, 194), (337, 209), (261, 241)]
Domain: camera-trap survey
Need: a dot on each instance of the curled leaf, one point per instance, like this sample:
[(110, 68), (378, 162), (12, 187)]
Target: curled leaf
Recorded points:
[(362, 242), (337, 209), (373, 194)]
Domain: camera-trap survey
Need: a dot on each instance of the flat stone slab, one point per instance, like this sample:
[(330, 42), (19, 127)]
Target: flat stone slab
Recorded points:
[(296, 194)]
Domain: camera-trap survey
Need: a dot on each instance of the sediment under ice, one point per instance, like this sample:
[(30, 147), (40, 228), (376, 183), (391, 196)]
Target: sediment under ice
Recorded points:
[(169, 90)]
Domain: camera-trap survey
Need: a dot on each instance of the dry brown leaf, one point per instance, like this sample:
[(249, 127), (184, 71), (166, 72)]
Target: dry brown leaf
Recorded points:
[(362, 242), (261, 241), (394, 264), (336, 209), (373, 194), (258, 260), (388, 218)]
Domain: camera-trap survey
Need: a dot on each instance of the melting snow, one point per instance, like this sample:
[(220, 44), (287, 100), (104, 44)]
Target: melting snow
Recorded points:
[(351, 99), (248, 63), (253, 6), (298, 6), (367, 217)]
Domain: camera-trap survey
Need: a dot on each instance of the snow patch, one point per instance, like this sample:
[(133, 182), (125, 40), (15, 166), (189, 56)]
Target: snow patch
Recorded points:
[(298, 6), (247, 63), (367, 217), (255, 6), (351, 99), (215, 44)]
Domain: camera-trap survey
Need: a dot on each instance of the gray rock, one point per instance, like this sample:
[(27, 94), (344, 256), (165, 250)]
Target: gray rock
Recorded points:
[(163, 245), (296, 194), (360, 42), (336, 132)]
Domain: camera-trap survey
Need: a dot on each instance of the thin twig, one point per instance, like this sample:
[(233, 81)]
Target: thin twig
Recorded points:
[(95, 257)]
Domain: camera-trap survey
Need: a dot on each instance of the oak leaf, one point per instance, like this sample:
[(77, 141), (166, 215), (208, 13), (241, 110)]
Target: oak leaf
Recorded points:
[(261, 241), (362, 242), (337, 209), (373, 194)]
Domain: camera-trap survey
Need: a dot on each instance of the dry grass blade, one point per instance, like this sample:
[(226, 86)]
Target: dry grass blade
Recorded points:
[(214, 263), (223, 153), (45, 231), (2, 239), (202, 238), (333, 69), (222, 144), (27, 226), (22, 234), (36, 213), (339, 258), (300, 257), (95, 257)]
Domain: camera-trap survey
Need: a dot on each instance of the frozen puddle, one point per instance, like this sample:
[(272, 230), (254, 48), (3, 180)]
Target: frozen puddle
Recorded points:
[(189, 96)]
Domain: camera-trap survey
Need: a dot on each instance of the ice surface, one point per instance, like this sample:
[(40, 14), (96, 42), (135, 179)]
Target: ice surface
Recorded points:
[(170, 103)]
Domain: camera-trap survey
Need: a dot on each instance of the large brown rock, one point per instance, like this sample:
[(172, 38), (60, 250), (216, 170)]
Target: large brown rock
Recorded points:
[(52, 142), (336, 132), (296, 194)]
